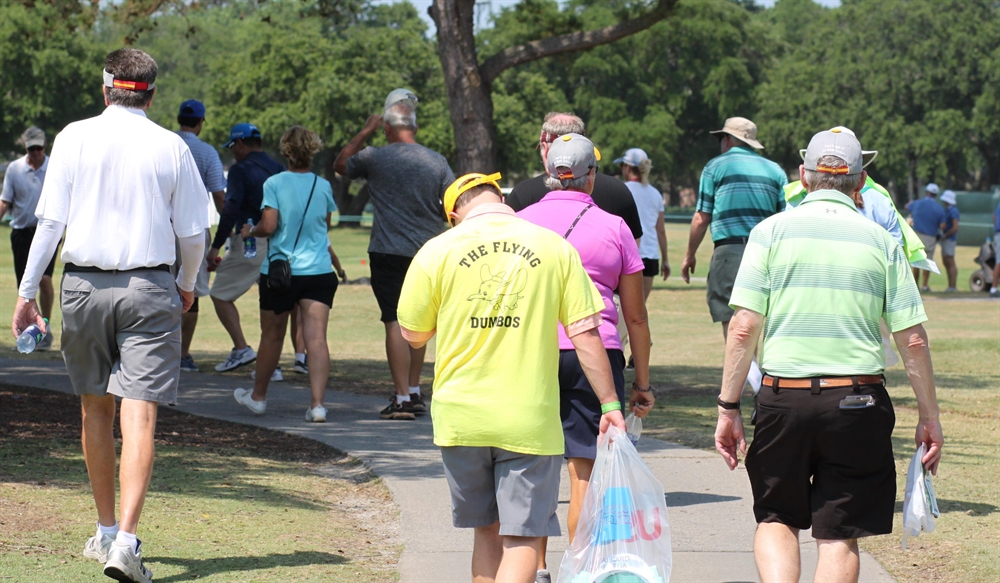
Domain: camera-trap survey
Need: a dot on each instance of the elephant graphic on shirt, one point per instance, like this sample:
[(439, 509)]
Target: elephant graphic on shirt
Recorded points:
[(500, 291)]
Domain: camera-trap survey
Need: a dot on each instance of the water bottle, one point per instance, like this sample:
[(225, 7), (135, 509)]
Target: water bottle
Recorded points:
[(633, 428), (250, 244), (30, 338)]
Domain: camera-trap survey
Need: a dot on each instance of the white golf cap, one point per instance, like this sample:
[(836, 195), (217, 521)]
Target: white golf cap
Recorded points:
[(933, 189), (948, 197), (397, 95), (633, 157)]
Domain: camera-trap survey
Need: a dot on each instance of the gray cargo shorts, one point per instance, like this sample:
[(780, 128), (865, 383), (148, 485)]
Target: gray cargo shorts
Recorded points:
[(722, 272), (122, 334), (489, 484)]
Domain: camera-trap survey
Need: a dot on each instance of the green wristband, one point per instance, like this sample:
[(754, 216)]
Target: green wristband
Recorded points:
[(609, 407)]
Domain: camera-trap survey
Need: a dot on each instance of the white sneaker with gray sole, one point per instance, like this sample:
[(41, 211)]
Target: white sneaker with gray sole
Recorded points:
[(243, 397), (125, 565), (236, 359), (97, 547), (316, 414)]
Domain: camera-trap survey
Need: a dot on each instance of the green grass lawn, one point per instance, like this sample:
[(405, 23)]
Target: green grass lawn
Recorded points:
[(686, 370)]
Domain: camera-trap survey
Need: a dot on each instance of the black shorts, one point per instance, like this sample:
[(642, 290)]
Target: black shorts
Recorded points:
[(319, 288), (20, 244), (388, 273), (579, 406), (812, 464), (650, 267), (194, 307)]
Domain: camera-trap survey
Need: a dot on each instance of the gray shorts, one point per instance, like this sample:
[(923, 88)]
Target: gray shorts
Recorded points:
[(930, 244), (489, 484), (201, 288), (722, 272), (948, 247), (122, 334), (237, 274)]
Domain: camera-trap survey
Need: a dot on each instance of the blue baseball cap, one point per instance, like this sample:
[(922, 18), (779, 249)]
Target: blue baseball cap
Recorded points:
[(192, 108), (242, 131)]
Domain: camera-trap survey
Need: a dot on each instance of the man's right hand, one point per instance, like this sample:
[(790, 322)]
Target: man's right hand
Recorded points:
[(687, 268), (373, 122), (213, 259), (612, 418), (930, 434)]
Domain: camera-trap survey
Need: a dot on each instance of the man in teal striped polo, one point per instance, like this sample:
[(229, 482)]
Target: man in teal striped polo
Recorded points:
[(823, 276), (738, 189)]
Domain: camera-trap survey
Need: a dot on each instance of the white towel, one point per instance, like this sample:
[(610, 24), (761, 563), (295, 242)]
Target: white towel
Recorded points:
[(919, 505)]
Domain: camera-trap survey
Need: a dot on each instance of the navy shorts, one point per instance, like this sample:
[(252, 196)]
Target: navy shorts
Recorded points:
[(579, 406)]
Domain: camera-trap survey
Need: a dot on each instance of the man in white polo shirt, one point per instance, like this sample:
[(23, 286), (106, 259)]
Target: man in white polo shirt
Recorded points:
[(22, 185), (122, 188)]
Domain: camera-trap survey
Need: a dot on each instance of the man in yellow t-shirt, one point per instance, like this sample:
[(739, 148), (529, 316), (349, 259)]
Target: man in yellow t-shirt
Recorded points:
[(495, 289)]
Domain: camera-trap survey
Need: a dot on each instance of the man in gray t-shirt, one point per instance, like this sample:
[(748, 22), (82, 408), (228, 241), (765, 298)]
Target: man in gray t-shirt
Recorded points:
[(407, 182)]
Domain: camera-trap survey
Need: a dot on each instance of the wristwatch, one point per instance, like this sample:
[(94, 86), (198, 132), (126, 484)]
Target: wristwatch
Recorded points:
[(727, 405)]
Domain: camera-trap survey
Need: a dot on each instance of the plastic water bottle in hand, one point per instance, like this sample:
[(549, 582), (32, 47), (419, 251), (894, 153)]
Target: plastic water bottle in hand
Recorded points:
[(250, 244), (30, 338), (633, 428)]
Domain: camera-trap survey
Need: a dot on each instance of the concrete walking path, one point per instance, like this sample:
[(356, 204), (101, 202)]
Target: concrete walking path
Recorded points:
[(710, 514)]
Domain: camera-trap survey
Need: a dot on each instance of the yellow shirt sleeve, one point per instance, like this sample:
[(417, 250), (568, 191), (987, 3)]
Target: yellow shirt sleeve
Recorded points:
[(580, 297), (419, 300)]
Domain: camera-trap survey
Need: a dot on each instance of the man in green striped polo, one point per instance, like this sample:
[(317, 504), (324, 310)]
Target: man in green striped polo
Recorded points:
[(738, 189), (823, 276)]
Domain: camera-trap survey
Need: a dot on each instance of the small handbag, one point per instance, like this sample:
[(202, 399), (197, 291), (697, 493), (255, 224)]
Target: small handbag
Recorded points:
[(279, 271)]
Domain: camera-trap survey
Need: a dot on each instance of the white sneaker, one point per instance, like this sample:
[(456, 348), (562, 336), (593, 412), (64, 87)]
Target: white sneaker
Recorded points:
[(125, 565), (97, 547), (242, 397), (316, 414), (276, 376), (236, 359)]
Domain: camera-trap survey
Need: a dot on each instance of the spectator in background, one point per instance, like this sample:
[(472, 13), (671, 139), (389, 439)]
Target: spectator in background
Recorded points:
[(611, 258), (994, 292), (22, 185), (407, 182), (928, 220), (949, 238), (635, 166), (738, 189), (191, 118), (296, 218), (236, 273), (610, 195)]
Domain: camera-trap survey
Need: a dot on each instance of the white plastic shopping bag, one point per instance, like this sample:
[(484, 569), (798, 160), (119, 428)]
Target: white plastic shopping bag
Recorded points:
[(623, 535), (919, 504)]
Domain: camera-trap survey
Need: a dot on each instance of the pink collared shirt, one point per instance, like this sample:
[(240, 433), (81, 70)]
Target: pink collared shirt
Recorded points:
[(605, 245)]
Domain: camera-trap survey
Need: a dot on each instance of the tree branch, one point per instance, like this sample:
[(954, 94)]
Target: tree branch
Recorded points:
[(575, 41)]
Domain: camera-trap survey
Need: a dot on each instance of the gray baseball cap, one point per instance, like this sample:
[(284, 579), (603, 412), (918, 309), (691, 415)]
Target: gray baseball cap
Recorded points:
[(397, 95), (571, 156), (33, 136), (867, 156), (632, 157), (838, 143)]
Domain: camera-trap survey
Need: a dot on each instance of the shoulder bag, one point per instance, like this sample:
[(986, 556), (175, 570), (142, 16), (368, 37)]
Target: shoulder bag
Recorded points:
[(279, 271)]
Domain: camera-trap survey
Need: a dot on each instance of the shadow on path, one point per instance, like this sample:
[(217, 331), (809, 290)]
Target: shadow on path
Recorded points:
[(198, 568)]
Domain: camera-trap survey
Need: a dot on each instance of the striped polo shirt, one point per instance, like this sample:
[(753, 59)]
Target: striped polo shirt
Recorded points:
[(824, 276), (207, 160), (740, 189)]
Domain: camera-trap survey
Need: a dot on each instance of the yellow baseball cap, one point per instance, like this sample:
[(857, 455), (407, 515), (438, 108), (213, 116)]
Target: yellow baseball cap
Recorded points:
[(464, 184)]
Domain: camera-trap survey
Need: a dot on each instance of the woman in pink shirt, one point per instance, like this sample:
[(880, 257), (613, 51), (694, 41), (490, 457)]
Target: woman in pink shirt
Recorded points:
[(611, 258)]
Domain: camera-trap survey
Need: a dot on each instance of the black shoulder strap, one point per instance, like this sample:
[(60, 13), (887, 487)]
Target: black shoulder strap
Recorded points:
[(578, 217), (304, 213)]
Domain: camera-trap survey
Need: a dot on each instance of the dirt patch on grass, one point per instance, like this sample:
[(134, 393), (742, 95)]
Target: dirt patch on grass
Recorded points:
[(18, 516)]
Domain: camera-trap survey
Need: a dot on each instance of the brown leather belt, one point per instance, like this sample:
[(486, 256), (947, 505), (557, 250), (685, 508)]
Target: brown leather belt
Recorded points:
[(824, 382)]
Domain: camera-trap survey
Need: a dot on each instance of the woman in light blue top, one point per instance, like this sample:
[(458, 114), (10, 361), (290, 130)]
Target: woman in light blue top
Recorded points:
[(296, 217)]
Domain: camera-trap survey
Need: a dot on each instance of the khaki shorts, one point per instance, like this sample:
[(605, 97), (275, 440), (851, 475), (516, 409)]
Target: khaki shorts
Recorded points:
[(489, 484), (201, 288), (121, 334), (237, 274), (948, 247), (930, 244), (722, 272)]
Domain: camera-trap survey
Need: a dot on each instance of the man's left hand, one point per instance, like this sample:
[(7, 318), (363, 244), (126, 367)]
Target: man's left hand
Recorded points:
[(25, 314), (728, 434), (612, 418)]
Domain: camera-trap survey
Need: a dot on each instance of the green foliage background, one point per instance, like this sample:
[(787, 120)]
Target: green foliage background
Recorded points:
[(919, 80)]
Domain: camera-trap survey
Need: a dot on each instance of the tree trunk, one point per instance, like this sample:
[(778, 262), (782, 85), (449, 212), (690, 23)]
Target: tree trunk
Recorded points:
[(469, 97)]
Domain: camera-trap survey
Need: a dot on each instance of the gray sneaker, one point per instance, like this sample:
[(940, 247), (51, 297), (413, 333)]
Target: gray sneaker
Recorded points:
[(46, 343), (543, 576), (188, 364), (97, 547), (236, 359), (125, 565)]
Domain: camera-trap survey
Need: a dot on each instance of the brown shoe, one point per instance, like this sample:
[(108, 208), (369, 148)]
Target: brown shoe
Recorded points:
[(396, 410)]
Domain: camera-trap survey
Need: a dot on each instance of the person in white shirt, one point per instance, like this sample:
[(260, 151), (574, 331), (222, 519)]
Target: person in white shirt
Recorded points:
[(122, 188), (22, 185), (635, 166)]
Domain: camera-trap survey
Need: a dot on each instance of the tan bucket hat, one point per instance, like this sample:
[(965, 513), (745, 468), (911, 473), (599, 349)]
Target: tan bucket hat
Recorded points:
[(742, 129)]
